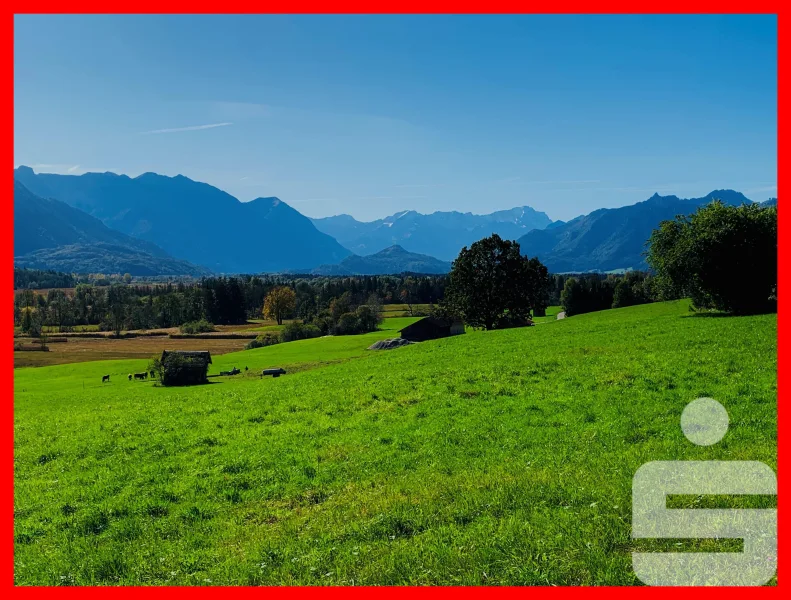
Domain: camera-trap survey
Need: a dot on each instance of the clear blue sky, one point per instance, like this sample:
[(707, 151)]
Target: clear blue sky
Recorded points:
[(372, 115)]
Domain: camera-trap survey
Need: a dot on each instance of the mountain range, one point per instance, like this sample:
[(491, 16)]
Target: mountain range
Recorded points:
[(388, 261), (439, 234), (612, 238), (49, 234), (154, 224), (194, 221)]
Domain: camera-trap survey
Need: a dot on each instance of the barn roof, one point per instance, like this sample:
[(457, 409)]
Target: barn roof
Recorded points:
[(204, 354), (429, 322)]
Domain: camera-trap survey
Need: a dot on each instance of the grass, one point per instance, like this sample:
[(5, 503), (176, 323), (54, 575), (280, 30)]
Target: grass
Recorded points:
[(552, 315), (78, 349), (500, 457)]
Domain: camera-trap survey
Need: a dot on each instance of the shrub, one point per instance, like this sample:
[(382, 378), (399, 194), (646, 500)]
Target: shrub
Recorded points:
[(298, 331), (324, 323), (723, 257), (262, 341), (348, 324), (202, 326), (367, 319)]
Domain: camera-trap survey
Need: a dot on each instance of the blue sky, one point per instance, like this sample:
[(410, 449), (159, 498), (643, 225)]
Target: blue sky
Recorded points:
[(370, 115)]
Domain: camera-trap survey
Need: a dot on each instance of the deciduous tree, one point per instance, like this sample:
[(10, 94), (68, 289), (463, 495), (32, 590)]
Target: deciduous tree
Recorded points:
[(279, 303)]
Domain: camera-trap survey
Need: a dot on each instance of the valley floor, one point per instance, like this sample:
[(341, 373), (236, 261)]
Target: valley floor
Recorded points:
[(501, 457)]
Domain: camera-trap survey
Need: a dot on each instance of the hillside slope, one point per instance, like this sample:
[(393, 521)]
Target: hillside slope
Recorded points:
[(612, 238), (49, 234), (194, 221), (509, 453)]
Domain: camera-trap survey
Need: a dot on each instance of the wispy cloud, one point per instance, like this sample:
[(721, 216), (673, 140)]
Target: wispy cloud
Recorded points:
[(72, 169), (191, 128)]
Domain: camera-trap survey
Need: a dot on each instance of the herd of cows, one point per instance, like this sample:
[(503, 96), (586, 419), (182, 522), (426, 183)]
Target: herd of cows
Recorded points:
[(145, 375)]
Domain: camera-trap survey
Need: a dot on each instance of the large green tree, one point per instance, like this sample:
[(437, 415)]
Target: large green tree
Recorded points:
[(722, 257), (493, 285)]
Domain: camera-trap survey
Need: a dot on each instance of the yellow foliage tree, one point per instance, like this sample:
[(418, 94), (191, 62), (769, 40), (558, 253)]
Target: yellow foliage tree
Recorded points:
[(279, 303)]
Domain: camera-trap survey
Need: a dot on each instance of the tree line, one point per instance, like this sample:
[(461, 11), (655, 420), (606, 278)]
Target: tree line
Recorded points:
[(218, 300)]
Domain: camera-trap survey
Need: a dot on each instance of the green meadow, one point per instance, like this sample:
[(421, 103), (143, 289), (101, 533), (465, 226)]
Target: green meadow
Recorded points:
[(491, 458)]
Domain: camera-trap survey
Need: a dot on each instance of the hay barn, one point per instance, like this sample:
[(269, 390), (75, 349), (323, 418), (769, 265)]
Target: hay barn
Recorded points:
[(431, 328), (182, 367)]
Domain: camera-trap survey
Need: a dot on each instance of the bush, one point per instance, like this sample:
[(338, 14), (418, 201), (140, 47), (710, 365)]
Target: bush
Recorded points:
[(367, 319), (723, 257), (262, 341), (298, 331), (348, 324), (202, 326), (324, 323)]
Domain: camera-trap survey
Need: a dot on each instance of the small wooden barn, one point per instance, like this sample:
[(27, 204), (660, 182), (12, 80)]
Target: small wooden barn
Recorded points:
[(431, 328), (183, 367)]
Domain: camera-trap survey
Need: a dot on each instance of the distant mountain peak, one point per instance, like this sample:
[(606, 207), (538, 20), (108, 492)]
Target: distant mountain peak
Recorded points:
[(194, 220), (441, 233), (389, 261), (394, 249)]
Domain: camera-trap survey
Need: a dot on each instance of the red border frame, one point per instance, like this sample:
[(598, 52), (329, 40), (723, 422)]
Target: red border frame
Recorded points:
[(348, 7)]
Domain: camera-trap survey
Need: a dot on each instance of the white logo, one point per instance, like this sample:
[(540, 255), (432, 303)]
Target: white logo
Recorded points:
[(704, 422)]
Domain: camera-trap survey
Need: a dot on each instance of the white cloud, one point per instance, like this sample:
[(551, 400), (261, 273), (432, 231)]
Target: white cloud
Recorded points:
[(72, 169), (191, 128)]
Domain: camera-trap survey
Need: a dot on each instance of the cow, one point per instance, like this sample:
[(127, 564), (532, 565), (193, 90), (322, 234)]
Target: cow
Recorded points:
[(130, 377), (245, 368), (273, 372), (233, 371), (141, 376), (105, 378)]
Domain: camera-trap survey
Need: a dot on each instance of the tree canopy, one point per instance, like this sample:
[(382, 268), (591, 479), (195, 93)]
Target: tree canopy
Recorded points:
[(723, 257), (492, 285)]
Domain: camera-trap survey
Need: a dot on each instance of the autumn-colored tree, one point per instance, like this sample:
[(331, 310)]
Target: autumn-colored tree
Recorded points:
[(279, 303)]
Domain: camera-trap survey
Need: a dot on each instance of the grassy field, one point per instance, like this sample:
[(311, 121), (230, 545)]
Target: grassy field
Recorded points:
[(77, 349), (500, 457), (86, 349)]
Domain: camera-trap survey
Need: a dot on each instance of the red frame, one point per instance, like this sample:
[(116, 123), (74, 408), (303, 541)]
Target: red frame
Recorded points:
[(359, 6)]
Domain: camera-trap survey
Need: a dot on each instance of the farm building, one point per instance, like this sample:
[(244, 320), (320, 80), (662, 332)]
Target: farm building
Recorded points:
[(181, 367), (431, 328)]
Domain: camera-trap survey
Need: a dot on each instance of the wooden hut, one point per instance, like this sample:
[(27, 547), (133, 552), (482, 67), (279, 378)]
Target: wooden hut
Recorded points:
[(183, 367), (431, 328)]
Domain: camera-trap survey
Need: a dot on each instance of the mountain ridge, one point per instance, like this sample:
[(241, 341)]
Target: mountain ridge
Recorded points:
[(609, 239), (194, 221), (49, 234), (388, 261), (441, 233)]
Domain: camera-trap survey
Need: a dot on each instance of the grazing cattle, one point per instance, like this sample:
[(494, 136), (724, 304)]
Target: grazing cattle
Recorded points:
[(233, 371), (245, 368), (141, 375), (105, 378), (130, 377), (273, 372)]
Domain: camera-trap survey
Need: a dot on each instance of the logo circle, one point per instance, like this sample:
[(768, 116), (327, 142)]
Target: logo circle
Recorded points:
[(704, 421)]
